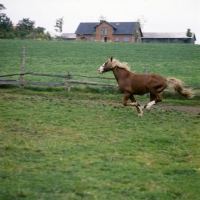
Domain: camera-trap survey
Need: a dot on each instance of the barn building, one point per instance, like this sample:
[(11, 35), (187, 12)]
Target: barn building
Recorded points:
[(104, 31), (179, 37)]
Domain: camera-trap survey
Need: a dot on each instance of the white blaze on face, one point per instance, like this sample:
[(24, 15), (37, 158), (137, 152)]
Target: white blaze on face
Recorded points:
[(101, 68)]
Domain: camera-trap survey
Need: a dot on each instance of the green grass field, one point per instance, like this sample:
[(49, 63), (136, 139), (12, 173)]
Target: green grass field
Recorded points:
[(85, 144), (177, 60)]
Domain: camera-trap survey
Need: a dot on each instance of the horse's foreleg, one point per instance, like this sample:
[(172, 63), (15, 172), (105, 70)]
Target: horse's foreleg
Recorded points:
[(128, 96), (125, 103), (138, 107), (139, 110)]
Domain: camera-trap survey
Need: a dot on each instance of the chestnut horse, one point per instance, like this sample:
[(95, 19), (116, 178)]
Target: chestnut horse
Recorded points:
[(130, 83)]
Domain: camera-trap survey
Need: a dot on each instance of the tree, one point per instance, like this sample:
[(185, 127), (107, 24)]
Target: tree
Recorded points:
[(142, 21), (39, 30), (102, 18), (139, 25), (5, 23), (59, 25), (25, 24), (136, 30), (2, 7), (189, 34), (25, 28)]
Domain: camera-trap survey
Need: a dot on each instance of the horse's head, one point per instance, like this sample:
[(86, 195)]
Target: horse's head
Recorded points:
[(107, 66)]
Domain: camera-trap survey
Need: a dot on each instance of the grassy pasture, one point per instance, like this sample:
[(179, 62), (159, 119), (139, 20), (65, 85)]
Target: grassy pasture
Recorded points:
[(177, 60), (84, 144)]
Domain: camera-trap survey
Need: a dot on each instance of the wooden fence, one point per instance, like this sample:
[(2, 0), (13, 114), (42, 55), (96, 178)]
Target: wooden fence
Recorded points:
[(67, 83)]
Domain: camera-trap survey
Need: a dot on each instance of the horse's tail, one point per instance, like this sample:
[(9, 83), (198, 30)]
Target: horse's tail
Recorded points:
[(177, 85)]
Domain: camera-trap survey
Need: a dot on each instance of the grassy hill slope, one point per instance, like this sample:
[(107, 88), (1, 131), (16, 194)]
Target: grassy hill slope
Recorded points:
[(179, 60)]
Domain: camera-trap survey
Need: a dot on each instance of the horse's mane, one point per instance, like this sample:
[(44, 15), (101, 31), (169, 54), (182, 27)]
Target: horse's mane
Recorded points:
[(117, 63)]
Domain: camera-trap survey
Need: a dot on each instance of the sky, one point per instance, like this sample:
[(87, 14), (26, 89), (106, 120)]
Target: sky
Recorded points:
[(155, 15)]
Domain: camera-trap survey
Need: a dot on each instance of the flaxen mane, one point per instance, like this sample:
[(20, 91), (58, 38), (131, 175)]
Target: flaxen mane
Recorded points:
[(117, 63)]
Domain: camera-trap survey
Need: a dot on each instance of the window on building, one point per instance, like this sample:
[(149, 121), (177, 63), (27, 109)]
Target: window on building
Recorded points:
[(116, 39), (104, 31), (126, 39), (91, 39)]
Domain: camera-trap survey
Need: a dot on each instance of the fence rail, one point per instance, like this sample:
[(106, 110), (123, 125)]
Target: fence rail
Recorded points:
[(5, 75), (14, 82), (56, 75)]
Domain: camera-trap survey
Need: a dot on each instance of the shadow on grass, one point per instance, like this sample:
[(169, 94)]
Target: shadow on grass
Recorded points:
[(80, 90)]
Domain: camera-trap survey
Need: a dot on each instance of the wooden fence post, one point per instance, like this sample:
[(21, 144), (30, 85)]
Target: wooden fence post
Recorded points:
[(23, 66), (68, 82)]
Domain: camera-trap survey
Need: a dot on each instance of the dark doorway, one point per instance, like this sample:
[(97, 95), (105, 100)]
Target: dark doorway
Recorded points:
[(105, 39), (83, 38)]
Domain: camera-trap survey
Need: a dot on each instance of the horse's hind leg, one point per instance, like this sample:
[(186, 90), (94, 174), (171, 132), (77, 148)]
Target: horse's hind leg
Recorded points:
[(154, 98), (156, 85)]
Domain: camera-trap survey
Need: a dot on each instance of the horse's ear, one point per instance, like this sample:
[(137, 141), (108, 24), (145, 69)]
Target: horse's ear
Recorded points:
[(111, 58)]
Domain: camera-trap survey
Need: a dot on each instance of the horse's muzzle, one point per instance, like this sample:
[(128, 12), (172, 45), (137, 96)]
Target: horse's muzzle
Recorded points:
[(101, 69)]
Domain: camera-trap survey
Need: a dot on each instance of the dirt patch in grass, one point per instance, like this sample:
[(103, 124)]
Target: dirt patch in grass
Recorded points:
[(186, 109), (194, 110)]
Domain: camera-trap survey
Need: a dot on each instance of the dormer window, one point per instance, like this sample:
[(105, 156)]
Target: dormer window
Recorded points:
[(104, 31)]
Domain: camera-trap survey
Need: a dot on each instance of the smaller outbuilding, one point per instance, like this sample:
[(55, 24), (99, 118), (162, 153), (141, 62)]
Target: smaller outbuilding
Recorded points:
[(177, 37), (69, 36)]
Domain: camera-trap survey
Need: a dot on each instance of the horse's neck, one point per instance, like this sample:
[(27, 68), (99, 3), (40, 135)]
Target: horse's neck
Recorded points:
[(120, 73)]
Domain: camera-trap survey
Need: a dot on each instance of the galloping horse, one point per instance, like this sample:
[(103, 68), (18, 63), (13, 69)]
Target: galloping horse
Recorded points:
[(130, 83)]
